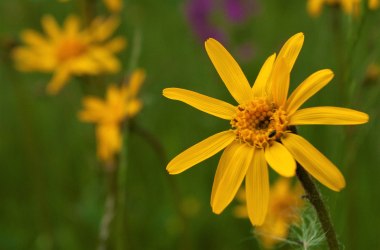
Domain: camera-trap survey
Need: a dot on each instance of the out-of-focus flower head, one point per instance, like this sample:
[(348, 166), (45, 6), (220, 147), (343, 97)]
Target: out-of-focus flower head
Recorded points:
[(114, 6), (70, 51), (373, 72), (201, 16), (120, 104), (350, 7), (240, 10), (284, 209)]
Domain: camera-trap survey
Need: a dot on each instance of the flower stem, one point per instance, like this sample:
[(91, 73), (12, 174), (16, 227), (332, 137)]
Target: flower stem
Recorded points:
[(315, 199), (109, 209)]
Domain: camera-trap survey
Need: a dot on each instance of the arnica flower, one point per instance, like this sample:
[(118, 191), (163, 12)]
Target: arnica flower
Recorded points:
[(260, 130), (350, 7), (70, 51), (114, 5), (284, 210), (120, 104)]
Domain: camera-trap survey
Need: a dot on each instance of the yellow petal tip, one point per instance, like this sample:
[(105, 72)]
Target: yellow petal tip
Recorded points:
[(165, 92), (216, 211)]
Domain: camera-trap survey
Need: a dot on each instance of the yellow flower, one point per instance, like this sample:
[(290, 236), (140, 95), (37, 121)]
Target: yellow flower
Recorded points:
[(351, 7), (120, 104), (373, 72), (283, 211), (260, 128), (114, 5), (70, 50)]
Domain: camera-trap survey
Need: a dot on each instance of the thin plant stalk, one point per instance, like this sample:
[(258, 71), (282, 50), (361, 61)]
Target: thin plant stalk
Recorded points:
[(109, 208), (313, 195), (315, 198), (120, 224)]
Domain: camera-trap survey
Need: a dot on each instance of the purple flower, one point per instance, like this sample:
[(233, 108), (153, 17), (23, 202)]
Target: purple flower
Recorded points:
[(239, 10), (199, 15)]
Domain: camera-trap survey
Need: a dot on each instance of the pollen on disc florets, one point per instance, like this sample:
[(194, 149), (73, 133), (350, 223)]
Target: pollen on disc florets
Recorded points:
[(259, 122)]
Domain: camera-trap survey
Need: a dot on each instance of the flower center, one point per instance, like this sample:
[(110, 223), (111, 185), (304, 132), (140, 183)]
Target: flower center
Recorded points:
[(69, 49), (259, 122)]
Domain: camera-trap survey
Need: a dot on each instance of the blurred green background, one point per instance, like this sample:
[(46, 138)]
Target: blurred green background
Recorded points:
[(53, 189)]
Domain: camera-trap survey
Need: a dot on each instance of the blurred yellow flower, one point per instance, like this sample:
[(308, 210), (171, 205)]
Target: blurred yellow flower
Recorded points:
[(260, 128), (120, 104), (351, 7), (70, 50), (284, 208), (373, 72), (114, 5)]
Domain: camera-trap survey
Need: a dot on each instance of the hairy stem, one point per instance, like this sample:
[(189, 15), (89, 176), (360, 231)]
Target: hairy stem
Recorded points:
[(315, 199)]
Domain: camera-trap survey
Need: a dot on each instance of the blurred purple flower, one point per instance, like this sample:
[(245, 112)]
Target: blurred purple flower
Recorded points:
[(200, 15), (239, 10)]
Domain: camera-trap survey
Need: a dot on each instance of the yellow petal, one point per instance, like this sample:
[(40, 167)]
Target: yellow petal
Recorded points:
[(257, 188), (85, 65), (33, 38), (115, 45), (114, 5), (229, 70), (290, 50), (108, 140), (94, 110), (135, 82), (314, 7), (104, 28), (113, 95), (133, 107), (231, 171), (60, 77), (200, 152), (51, 27), (308, 88), (260, 84), (71, 25), (328, 116), (279, 81), (314, 162), (373, 4), (204, 103), (106, 61), (280, 159)]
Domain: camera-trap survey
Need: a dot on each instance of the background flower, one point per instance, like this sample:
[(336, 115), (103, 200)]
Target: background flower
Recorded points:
[(70, 51), (120, 104), (284, 209), (351, 7)]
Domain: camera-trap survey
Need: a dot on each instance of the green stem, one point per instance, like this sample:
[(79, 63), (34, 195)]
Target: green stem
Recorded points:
[(122, 187), (313, 195), (109, 208), (315, 199)]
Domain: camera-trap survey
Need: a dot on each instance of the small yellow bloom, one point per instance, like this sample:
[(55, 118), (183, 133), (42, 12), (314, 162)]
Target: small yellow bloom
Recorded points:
[(120, 104), (351, 7), (260, 128), (373, 72), (285, 204), (114, 5), (70, 51)]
